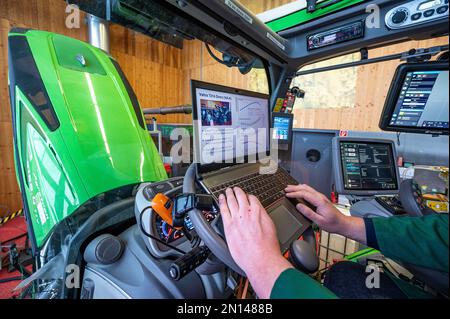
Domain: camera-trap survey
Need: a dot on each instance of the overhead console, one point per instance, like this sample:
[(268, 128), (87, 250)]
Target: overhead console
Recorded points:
[(348, 32), (416, 12), (364, 26)]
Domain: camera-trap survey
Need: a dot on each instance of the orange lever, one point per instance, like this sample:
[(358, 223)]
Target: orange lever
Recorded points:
[(163, 205)]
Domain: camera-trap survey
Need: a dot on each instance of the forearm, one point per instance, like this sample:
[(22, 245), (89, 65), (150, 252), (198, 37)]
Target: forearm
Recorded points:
[(263, 275), (354, 228)]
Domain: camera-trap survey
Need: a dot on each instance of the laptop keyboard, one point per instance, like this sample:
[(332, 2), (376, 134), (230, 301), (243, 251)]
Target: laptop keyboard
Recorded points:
[(268, 188)]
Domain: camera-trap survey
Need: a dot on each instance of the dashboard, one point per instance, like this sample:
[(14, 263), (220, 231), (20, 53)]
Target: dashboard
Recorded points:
[(157, 227), (170, 234)]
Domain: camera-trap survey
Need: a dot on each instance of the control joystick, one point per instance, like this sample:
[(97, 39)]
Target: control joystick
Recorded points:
[(302, 254)]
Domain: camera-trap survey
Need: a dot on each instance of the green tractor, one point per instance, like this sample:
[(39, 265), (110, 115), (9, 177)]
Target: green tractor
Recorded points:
[(86, 164)]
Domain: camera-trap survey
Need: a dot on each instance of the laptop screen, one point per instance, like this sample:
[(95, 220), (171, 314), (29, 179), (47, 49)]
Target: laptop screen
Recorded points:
[(231, 125)]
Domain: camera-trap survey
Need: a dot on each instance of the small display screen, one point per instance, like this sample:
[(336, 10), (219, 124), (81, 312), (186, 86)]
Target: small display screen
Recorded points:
[(281, 128), (423, 101), (368, 166), (429, 4)]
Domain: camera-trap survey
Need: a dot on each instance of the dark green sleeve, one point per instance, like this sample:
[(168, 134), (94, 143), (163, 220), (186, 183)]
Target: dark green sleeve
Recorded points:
[(293, 284), (421, 241)]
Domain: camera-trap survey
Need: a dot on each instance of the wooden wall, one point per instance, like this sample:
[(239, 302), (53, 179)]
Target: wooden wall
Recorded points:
[(197, 64), (154, 69)]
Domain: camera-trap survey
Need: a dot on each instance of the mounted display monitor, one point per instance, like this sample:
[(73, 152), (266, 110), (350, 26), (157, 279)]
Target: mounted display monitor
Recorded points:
[(417, 101), (282, 127), (365, 167), (230, 125)]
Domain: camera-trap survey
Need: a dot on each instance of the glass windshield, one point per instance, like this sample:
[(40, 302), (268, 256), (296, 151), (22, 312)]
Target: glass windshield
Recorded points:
[(198, 52), (349, 98), (160, 22)]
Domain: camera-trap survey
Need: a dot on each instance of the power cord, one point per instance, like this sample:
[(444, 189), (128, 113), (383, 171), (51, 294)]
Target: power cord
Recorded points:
[(153, 237)]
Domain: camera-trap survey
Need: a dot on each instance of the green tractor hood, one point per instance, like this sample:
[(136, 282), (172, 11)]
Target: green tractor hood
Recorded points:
[(78, 128)]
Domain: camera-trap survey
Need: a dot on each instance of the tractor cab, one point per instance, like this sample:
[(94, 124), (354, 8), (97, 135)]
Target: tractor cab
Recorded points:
[(349, 97)]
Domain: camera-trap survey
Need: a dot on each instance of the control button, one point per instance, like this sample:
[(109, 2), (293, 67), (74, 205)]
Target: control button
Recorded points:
[(177, 182), (148, 193), (428, 13), (442, 9), (416, 16), (399, 16), (161, 188)]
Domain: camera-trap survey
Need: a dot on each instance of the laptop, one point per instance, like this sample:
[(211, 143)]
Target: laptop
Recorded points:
[(232, 146)]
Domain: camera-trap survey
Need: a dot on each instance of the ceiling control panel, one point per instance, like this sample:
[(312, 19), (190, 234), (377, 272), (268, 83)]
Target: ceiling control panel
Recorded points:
[(416, 12), (341, 34)]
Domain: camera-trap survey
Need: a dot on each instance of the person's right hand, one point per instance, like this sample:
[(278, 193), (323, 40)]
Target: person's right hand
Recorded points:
[(252, 239), (326, 215)]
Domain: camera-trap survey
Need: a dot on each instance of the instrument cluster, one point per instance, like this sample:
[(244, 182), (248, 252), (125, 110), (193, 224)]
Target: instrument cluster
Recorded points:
[(169, 234)]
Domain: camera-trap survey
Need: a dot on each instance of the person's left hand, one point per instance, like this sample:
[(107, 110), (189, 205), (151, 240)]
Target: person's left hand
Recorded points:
[(252, 239)]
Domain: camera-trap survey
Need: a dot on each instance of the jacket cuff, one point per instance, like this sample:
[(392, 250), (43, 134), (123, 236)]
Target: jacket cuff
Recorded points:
[(371, 236)]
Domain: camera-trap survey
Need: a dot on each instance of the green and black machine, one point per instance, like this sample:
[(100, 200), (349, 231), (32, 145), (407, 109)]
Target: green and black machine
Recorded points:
[(87, 167)]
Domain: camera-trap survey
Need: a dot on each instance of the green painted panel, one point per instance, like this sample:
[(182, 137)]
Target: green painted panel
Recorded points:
[(76, 56), (303, 16), (99, 145)]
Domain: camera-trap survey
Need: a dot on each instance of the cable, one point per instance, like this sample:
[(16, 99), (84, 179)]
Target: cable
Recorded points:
[(153, 237), (215, 57)]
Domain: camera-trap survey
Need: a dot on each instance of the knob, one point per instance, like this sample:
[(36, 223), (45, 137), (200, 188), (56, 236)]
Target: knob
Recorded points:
[(399, 16), (315, 41)]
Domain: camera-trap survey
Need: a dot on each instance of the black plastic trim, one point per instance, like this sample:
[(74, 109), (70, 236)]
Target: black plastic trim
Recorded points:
[(20, 30), (28, 78), (131, 94), (26, 210)]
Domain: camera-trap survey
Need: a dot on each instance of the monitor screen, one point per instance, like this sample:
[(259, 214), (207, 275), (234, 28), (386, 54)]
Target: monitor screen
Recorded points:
[(368, 166), (229, 123), (282, 127), (419, 100), (423, 101)]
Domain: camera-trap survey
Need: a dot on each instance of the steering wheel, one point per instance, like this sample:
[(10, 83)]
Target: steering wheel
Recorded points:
[(207, 234), (412, 199), (218, 246)]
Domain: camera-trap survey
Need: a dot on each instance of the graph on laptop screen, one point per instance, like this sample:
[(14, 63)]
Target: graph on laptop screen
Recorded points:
[(230, 123)]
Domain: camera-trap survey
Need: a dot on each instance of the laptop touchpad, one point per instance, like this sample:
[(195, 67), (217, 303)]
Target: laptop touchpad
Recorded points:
[(286, 223)]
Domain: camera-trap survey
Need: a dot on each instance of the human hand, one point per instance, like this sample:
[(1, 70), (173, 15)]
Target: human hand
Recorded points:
[(326, 215), (252, 239)]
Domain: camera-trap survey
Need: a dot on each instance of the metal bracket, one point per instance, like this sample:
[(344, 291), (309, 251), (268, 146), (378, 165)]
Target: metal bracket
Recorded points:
[(420, 55), (364, 53), (108, 10), (413, 55)]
